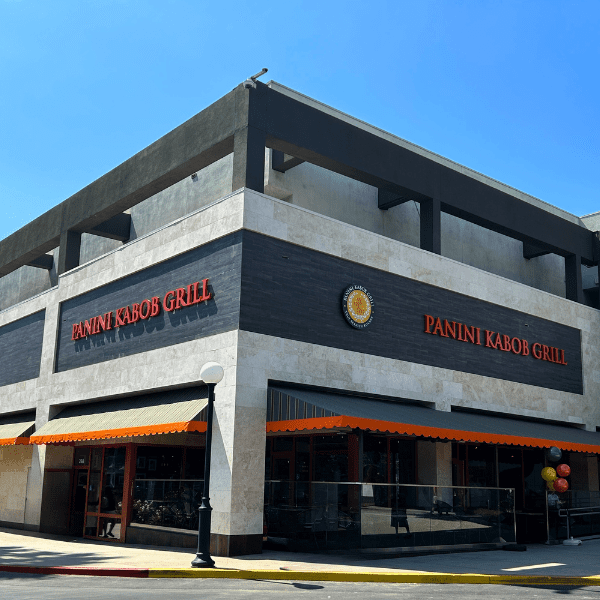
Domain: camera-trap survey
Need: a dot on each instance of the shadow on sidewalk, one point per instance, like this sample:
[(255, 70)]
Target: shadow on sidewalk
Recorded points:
[(18, 555)]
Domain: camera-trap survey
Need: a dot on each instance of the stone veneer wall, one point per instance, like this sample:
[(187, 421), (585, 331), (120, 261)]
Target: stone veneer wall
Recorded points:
[(15, 462)]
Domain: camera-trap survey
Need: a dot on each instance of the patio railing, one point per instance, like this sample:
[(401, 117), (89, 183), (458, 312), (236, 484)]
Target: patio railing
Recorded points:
[(329, 515)]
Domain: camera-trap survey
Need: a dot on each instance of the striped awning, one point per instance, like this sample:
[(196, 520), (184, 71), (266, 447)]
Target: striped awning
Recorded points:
[(166, 412), (292, 409), (16, 430)]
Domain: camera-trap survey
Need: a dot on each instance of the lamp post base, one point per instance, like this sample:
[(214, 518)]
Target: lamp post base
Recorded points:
[(203, 561), (203, 557)]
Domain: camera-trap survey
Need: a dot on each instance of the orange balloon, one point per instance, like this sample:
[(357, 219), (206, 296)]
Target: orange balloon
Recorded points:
[(563, 470), (561, 485)]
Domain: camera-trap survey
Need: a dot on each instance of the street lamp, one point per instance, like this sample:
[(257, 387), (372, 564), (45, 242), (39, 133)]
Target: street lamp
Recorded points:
[(211, 373)]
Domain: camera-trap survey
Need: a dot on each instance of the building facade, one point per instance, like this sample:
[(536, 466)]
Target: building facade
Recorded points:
[(403, 340)]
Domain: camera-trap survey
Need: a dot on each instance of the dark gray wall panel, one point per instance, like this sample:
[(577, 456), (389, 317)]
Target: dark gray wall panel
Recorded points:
[(292, 292), (219, 261), (21, 348)]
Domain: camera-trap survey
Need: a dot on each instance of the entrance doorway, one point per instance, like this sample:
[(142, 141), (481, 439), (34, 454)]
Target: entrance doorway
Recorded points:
[(100, 477), (520, 468)]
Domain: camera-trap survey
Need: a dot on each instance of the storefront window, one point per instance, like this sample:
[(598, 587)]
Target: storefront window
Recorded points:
[(474, 465), (510, 472), (375, 459), (161, 497), (194, 463), (114, 480), (330, 458), (93, 495), (283, 444), (403, 461), (302, 466), (481, 466), (158, 462), (534, 485)]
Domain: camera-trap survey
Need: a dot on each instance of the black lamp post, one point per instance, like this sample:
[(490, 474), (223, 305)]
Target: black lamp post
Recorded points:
[(211, 373)]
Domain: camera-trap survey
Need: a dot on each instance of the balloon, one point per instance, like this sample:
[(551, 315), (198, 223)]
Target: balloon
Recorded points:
[(561, 485), (553, 454), (548, 474), (550, 485), (563, 470)]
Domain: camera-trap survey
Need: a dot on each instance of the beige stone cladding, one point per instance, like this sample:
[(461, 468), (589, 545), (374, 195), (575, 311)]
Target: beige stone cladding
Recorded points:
[(15, 462)]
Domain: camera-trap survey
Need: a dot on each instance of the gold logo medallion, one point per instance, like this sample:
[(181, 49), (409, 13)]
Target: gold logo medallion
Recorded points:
[(357, 305)]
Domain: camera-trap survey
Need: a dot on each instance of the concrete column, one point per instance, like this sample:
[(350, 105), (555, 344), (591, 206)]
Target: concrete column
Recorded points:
[(68, 255), (37, 484), (249, 159), (431, 232), (238, 465), (434, 467), (35, 477), (573, 283)]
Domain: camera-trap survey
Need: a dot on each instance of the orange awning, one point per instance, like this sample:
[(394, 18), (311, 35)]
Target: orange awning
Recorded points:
[(169, 412), (293, 409), (14, 431)]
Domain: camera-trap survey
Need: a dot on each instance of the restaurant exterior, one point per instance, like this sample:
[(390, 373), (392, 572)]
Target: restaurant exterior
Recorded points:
[(403, 340)]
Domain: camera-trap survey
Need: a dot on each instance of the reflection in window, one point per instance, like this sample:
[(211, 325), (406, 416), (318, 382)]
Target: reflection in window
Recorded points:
[(330, 458)]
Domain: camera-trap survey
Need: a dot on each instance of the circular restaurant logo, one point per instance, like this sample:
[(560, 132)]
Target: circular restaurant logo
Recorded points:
[(357, 305)]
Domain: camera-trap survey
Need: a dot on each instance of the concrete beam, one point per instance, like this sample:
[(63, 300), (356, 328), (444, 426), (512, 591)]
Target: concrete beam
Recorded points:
[(44, 261), (532, 251), (307, 133), (116, 228), (283, 162), (387, 199)]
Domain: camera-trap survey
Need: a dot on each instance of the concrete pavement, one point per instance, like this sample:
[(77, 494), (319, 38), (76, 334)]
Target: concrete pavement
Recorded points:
[(22, 551)]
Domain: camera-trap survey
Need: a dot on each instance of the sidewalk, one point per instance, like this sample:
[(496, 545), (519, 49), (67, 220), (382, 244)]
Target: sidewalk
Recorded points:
[(22, 551)]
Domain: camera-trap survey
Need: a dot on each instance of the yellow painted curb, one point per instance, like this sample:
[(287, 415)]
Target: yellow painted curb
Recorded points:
[(544, 580), (353, 576), (377, 577)]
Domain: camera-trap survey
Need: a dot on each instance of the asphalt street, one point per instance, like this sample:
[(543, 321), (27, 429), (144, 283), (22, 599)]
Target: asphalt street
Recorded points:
[(35, 587)]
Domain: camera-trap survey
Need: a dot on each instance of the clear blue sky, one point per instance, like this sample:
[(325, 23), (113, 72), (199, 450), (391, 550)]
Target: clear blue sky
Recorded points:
[(509, 88)]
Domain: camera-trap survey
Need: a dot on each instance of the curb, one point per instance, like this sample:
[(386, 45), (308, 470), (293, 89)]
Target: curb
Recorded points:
[(341, 576), (377, 577)]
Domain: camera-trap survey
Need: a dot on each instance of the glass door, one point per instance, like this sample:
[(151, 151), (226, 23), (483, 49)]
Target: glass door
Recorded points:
[(105, 486)]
